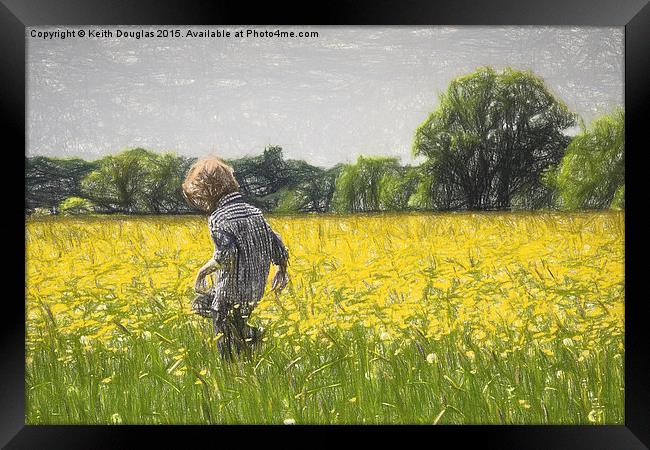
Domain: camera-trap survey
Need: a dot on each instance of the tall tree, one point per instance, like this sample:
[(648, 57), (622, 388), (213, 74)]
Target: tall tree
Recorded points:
[(163, 177), (266, 179), (119, 182), (396, 188), (592, 171), (314, 194), (358, 187), (492, 136), (262, 175)]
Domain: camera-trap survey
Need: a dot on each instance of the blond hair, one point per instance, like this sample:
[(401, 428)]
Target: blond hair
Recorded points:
[(207, 182)]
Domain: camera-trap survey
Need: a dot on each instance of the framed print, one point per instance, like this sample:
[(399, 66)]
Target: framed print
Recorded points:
[(412, 215)]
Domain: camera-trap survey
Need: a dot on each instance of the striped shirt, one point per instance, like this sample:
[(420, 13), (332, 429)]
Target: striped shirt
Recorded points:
[(245, 246)]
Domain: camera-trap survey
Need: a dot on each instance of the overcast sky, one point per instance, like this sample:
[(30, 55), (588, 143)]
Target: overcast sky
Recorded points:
[(327, 99)]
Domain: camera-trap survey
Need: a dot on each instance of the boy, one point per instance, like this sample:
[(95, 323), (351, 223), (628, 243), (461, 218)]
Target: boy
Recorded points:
[(245, 246)]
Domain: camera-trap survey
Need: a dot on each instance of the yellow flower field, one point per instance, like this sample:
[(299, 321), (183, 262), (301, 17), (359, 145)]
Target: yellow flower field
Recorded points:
[(449, 318)]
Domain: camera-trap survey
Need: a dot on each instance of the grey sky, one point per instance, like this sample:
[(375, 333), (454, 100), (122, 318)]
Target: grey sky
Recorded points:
[(350, 91)]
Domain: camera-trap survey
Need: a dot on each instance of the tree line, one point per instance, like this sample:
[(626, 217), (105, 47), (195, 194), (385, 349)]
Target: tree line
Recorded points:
[(497, 140)]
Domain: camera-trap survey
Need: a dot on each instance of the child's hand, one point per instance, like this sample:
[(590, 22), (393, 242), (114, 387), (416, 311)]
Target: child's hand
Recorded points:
[(280, 280), (199, 283), (208, 268)]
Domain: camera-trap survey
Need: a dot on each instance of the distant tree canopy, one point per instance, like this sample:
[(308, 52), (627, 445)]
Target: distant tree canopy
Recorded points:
[(143, 182), (491, 137), (495, 141), (49, 181), (268, 180), (592, 171), (76, 205)]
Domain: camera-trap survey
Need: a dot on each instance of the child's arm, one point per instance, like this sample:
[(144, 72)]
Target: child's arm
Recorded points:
[(224, 247), (203, 272), (279, 257)]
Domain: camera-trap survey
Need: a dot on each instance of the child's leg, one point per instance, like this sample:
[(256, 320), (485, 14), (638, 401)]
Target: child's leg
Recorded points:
[(253, 335), (234, 333), (223, 333), (236, 336), (240, 332)]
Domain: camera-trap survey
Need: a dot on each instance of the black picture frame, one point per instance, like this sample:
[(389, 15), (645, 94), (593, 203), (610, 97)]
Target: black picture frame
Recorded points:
[(15, 15)]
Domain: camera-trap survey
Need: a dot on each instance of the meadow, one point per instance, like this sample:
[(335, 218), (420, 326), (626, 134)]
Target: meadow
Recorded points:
[(491, 318)]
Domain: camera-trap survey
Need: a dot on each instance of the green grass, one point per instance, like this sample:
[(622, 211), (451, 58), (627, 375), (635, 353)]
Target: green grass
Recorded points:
[(351, 379)]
